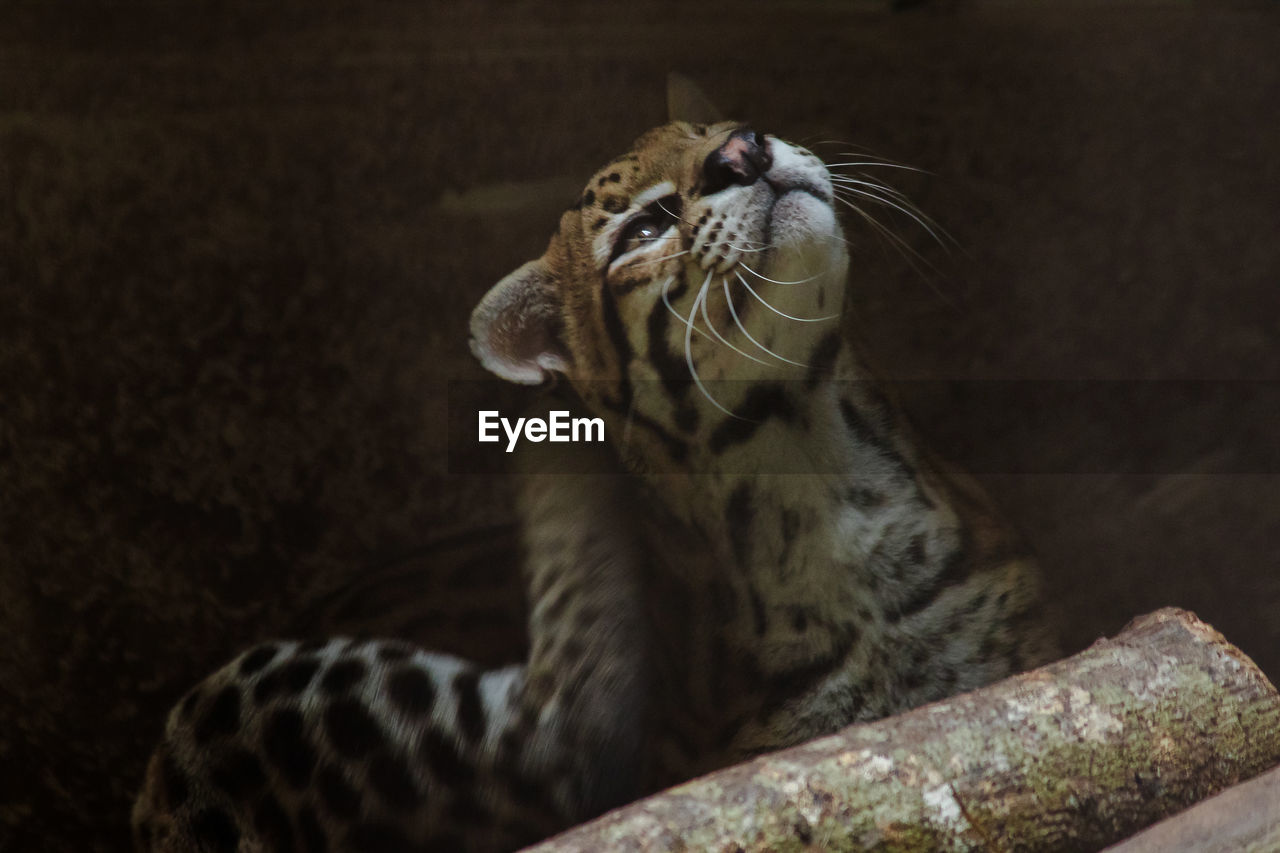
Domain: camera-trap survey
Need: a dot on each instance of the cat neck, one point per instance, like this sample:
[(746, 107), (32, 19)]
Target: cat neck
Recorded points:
[(813, 469)]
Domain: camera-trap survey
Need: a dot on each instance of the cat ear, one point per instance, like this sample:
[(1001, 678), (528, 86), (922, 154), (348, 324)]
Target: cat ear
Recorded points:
[(516, 330), (687, 102)]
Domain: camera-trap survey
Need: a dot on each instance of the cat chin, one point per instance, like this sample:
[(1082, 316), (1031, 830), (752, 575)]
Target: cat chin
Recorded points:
[(799, 216), (805, 225)]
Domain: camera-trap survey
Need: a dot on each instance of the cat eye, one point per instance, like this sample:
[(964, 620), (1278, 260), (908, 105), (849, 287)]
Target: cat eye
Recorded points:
[(648, 226), (640, 231)]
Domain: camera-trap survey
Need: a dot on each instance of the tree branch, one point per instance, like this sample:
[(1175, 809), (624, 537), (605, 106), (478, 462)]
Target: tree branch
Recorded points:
[(1075, 755)]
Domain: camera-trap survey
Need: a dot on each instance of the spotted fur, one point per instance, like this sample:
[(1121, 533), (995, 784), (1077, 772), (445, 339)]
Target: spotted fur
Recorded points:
[(762, 555)]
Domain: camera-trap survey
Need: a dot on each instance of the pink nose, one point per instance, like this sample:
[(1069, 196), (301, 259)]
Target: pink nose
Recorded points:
[(742, 159)]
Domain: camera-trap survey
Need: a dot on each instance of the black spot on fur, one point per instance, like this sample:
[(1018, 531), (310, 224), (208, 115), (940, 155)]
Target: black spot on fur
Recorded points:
[(782, 687), (392, 781), (614, 177), (286, 746), (955, 570), (337, 795), (343, 675), (238, 773), (297, 674), (672, 369), (215, 831), (511, 745), (588, 198), (257, 658), (599, 223), (391, 652), (630, 283), (530, 791), (822, 360), (758, 616), (863, 499), (351, 729), (916, 551), (621, 345), (380, 837), (411, 690), (466, 809), (272, 824), (222, 717), (614, 204), (174, 779), (724, 602), (686, 418), (313, 837), (471, 718), (790, 532), (762, 402), (739, 514), (588, 614), (799, 619), (677, 448), (862, 433), (442, 757), (288, 679)]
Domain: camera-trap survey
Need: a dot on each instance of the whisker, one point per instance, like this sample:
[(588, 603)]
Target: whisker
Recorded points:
[(741, 245), (766, 304), (658, 260), (924, 222), (688, 350), (706, 318), (875, 186), (763, 247), (663, 208), (902, 245), (775, 281), (870, 182), (884, 163), (734, 311), (865, 153), (666, 300), (883, 229), (905, 249)]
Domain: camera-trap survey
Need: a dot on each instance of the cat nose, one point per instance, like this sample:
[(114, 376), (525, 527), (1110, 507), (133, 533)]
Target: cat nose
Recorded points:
[(742, 159)]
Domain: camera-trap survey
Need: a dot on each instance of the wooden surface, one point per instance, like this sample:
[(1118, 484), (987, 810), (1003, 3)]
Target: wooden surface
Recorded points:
[(1071, 756), (1242, 819)]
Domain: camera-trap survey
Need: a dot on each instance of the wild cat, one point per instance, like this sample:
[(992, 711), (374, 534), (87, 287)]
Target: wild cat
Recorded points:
[(763, 552)]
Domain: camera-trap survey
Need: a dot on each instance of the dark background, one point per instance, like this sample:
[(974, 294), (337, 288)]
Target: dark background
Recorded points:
[(239, 242)]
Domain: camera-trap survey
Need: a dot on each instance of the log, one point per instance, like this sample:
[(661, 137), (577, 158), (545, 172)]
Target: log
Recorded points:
[(1073, 756), (1243, 818)]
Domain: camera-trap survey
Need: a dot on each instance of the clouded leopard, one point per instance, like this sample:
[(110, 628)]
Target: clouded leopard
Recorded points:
[(762, 554)]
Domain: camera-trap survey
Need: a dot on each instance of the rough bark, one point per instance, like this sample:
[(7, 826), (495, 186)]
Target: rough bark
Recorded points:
[(1243, 819), (1072, 756)]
